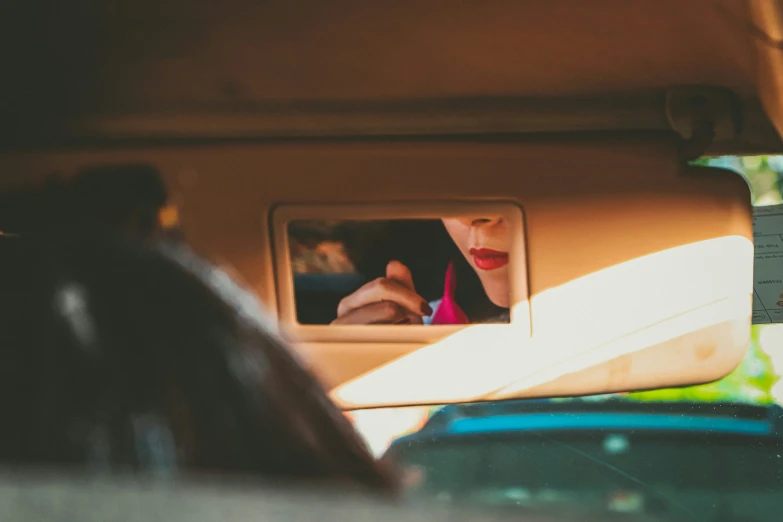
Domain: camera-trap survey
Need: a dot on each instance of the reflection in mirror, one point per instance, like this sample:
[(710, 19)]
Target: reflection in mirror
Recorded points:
[(446, 271)]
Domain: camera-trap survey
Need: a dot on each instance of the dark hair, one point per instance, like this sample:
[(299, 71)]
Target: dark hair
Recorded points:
[(119, 356), (102, 200), (128, 196), (426, 248)]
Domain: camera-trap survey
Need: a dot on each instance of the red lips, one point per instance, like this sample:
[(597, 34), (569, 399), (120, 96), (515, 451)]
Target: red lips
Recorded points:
[(488, 259)]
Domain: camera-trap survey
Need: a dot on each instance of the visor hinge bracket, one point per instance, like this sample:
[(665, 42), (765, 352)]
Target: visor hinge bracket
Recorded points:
[(702, 116)]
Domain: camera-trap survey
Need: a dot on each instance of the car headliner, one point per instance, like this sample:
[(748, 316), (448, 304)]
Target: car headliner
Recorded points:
[(238, 69)]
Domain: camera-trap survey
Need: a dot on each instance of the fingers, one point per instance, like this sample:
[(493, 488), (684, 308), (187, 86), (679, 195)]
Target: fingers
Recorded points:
[(384, 289), (382, 312), (396, 271), (387, 300)]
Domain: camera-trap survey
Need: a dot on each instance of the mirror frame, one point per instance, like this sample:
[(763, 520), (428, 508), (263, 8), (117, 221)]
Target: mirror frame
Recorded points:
[(282, 215)]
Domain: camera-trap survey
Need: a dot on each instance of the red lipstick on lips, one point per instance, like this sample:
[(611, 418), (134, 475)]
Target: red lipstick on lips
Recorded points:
[(488, 259)]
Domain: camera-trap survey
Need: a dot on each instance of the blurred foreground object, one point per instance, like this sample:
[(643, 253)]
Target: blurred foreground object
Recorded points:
[(122, 357), (65, 500), (129, 200)]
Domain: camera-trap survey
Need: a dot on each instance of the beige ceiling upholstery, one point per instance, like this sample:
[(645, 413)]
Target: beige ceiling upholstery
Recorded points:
[(174, 52), (305, 57)]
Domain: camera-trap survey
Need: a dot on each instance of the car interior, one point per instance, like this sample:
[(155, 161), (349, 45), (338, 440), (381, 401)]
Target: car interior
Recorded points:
[(320, 150)]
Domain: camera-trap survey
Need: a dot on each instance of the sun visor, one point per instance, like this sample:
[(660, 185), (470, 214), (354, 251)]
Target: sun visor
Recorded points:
[(444, 271), (643, 285)]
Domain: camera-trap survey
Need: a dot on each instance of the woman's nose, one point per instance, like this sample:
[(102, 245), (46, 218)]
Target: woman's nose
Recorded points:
[(485, 221)]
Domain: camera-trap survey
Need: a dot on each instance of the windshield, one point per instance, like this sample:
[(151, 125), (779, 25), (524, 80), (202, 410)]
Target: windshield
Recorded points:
[(702, 466)]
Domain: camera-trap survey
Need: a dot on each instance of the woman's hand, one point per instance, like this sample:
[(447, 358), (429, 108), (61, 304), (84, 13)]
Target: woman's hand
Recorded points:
[(387, 300)]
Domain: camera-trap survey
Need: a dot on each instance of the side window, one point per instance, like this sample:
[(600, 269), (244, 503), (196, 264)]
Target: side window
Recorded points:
[(764, 174)]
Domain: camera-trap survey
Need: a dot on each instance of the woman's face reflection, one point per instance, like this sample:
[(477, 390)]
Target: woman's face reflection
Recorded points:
[(485, 242)]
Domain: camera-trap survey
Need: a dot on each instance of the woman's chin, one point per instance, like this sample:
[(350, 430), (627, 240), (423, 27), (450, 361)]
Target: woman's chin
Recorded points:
[(501, 299), (502, 304)]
